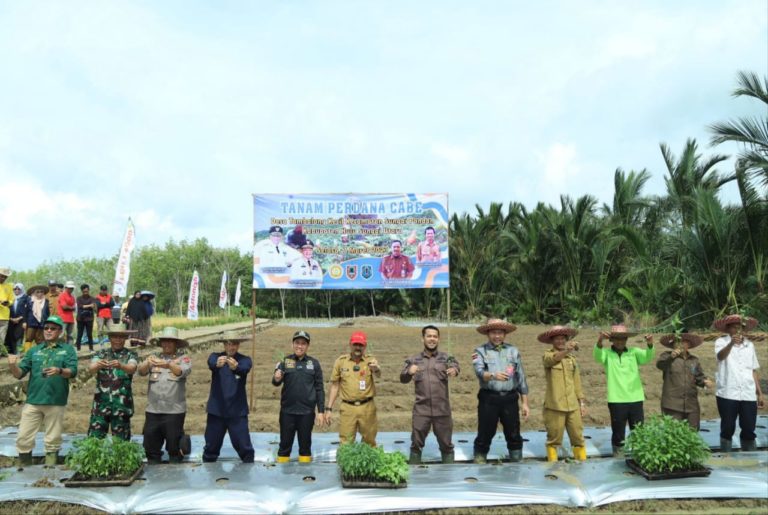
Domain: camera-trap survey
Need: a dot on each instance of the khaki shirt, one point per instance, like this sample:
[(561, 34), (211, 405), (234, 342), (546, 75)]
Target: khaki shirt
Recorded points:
[(354, 385), (53, 303), (431, 383), (681, 377), (563, 382)]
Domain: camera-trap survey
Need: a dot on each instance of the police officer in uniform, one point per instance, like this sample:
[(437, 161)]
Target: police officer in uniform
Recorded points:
[(302, 381), (499, 368), (353, 375)]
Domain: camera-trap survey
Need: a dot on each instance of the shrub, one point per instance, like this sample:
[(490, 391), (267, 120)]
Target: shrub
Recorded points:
[(94, 457), (361, 462), (662, 444)]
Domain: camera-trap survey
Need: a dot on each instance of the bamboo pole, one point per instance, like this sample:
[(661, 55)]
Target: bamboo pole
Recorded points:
[(253, 341)]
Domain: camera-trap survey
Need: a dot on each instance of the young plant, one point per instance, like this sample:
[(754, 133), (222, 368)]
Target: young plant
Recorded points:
[(361, 462), (662, 444), (94, 457)]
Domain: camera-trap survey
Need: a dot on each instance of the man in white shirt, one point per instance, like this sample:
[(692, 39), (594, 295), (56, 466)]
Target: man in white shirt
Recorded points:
[(273, 255), (738, 384)]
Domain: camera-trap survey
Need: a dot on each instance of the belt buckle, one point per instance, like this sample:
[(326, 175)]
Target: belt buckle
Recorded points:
[(358, 403)]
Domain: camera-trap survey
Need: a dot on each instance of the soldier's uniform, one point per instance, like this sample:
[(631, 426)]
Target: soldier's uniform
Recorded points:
[(562, 400), (357, 410), (432, 407), (113, 400)]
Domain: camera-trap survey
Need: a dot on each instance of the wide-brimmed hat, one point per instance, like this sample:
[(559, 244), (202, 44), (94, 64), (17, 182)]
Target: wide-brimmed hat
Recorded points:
[(694, 340), (558, 330), (748, 322), (233, 337), (33, 289), (620, 331), (69, 284), (4, 270), (301, 334), (496, 323), (170, 333), (148, 294), (120, 330)]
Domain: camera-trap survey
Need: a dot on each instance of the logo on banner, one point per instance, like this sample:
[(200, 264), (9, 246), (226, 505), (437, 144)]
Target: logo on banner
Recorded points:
[(366, 271), (351, 272), (335, 271)]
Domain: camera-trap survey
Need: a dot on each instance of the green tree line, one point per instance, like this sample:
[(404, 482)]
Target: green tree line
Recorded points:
[(643, 259)]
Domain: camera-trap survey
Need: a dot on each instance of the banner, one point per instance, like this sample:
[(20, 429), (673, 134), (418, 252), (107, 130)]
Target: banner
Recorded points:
[(223, 291), (237, 293), (194, 294), (123, 269), (350, 241)]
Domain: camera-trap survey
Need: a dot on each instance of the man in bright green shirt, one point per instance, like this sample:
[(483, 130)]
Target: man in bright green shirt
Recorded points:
[(50, 365), (622, 375)]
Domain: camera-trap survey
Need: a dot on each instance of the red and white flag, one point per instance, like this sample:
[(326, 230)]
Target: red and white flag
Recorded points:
[(237, 293), (194, 295), (123, 269), (223, 297)]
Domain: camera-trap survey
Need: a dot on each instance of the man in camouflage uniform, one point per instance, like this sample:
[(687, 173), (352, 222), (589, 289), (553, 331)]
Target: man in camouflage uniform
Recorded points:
[(113, 400)]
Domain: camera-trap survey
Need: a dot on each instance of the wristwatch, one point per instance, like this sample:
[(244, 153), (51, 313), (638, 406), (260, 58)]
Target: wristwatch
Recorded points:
[(328, 408)]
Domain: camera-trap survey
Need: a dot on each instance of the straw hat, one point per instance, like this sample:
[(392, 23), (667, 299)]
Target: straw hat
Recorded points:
[(558, 330), (694, 340), (33, 289), (620, 331), (170, 333), (234, 337), (494, 324), (120, 330), (748, 322), (4, 270)]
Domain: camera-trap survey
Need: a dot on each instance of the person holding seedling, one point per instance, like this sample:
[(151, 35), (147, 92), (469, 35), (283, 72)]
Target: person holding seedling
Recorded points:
[(113, 400), (227, 403), (166, 396), (738, 382), (302, 394), (430, 371), (353, 376), (564, 404), (499, 368), (50, 365), (682, 375), (622, 375)]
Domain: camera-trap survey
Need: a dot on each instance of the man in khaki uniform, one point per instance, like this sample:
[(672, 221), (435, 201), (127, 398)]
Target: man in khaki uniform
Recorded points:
[(564, 400), (430, 370), (353, 375)]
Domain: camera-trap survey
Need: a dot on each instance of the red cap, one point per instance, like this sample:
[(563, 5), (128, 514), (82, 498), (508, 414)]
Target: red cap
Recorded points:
[(358, 337)]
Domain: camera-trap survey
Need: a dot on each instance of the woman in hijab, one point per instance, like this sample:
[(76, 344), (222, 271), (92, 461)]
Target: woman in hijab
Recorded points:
[(16, 323), (37, 314), (136, 314)]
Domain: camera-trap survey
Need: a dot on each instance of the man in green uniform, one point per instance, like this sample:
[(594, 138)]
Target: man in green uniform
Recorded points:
[(50, 365), (113, 400)]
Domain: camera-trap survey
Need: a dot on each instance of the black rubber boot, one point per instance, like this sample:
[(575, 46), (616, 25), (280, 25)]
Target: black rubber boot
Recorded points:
[(414, 458), (447, 458), (24, 459), (748, 445), (726, 445), (516, 455)]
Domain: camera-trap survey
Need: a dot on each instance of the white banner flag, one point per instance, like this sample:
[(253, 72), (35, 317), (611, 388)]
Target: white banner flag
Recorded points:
[(237, 293), (123, 270), (223, 291), (194, 294)]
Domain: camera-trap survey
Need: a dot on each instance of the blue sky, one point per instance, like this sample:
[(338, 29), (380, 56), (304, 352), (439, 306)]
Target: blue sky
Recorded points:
[(174, 113)]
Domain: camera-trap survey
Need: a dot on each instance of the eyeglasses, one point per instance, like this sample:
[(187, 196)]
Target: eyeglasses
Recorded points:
[(51, 328), (17, 288)]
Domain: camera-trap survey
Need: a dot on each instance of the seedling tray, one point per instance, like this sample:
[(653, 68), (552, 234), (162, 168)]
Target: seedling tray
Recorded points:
[(350, 483), (678, 474), (78, 480)]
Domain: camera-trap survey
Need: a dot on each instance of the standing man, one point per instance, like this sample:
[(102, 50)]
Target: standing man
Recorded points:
[(622, 376), (67, 308), (86, 308), (113, 400), (6, 299), (682, 374), (499, 368), (166, 396), (104, 304), (353, 375), (738, 382), (50, 365), (428, 251), (396, 265), (302, 394), (430, 370), (273, 255), (564, 405), (227, 403), (53, 296)]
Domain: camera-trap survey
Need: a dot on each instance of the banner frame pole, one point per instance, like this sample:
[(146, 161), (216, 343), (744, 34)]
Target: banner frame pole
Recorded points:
[(253, 342)]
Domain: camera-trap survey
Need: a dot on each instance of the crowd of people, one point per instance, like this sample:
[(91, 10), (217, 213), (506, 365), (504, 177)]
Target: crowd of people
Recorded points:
[(497, 364)]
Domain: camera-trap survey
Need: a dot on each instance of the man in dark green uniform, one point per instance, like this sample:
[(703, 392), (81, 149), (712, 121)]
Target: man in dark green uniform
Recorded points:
[(113, 400)]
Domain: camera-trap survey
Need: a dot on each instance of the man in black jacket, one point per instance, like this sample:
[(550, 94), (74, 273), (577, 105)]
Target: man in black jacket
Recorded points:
[(302, 380)]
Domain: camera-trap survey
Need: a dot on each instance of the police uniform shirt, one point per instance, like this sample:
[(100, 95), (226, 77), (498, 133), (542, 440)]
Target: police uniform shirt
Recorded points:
[(302, 385), (167, 393), (227, 397)]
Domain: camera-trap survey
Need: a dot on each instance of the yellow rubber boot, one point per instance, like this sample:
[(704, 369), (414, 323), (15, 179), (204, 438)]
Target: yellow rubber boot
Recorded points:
[(305, 459), (551, 453), (283, 459), (580, 453)]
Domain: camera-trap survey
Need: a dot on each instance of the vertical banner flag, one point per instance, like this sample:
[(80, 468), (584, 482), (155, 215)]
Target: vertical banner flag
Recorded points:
[(123, 270), (350, 241), (194, 294), (223, 291), (237, 293)]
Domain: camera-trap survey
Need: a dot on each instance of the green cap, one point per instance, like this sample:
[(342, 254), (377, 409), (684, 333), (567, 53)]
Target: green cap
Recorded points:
[(55, 319)]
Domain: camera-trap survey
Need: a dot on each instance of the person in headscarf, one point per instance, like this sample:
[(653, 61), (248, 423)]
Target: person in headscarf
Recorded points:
[(16, 323), (136, 315), (37, 314)]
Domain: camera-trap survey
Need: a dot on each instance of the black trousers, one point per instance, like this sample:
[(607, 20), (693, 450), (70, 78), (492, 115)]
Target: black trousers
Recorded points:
[(290, 426), (493, 408), (162, 428), (730, 410), (621, 413), (87, 327)]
